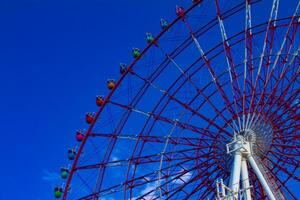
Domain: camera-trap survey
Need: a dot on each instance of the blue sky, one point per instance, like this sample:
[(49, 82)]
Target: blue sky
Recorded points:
[(55, 56)]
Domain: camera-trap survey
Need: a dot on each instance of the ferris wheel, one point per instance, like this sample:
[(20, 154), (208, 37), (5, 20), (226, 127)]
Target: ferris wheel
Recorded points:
[(209, 109)]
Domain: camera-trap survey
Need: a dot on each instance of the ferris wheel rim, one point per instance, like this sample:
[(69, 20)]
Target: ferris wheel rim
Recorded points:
[(111, 93)]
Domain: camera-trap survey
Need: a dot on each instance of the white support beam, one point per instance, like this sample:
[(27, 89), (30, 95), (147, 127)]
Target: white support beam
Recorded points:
[(234, 183), (245, 180), (261, 178)]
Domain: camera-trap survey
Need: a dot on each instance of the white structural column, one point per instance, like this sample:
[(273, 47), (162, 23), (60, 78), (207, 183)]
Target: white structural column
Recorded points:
[(261, 177), (236, 173), (241, 151), (245, 180)]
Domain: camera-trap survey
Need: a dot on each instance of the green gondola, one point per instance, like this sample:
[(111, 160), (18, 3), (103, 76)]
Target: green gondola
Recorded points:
[(135, 52)]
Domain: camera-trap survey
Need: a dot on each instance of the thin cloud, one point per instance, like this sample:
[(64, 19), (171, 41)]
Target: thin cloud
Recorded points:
[(183, 179), (148, 188), (50, 176)]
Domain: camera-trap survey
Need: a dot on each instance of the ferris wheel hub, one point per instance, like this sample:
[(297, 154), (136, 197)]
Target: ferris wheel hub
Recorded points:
[(248, 135)]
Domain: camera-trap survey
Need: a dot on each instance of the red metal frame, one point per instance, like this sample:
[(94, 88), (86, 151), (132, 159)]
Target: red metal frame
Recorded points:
[(207, 143)]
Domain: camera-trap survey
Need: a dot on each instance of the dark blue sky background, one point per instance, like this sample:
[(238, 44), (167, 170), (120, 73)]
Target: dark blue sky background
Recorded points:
[(55, 56)]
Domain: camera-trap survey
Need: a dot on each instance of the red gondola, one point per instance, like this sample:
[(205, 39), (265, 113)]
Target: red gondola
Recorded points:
[(180, 12), (89, 118), (79, 136), (99, 100)]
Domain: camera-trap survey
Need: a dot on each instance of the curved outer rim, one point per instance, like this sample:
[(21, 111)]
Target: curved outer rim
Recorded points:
[(111, 93)]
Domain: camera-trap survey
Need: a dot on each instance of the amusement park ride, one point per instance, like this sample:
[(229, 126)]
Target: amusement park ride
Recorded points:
[(208, 110)]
